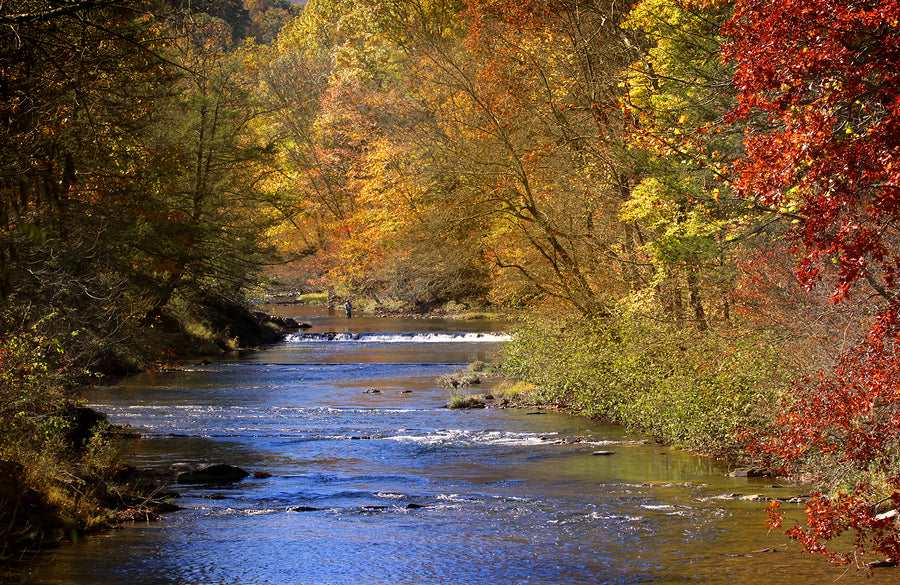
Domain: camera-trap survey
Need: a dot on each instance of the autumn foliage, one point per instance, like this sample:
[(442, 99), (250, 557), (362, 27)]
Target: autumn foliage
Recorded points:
[(719, 172), (819, 79), (819, 82), (842, 431)]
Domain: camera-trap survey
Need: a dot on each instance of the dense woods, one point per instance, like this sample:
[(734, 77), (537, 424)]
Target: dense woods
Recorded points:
[(691, 206)]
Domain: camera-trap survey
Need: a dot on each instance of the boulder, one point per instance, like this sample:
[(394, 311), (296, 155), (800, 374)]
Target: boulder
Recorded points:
[(753, 498), (212, 474), (287, 323)]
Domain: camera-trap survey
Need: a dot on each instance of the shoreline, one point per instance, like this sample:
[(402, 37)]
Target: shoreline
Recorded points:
[(100, 492)]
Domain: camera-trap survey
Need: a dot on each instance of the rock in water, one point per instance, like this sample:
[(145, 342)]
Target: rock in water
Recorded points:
[(212, 474), (750, 472)]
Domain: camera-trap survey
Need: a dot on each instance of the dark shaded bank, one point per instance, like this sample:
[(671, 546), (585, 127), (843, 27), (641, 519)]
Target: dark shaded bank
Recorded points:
[(61, 474), (214, 326)]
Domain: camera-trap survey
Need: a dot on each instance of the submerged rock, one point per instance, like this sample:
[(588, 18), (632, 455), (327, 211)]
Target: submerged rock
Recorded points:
[(304, 509), (763, 498)]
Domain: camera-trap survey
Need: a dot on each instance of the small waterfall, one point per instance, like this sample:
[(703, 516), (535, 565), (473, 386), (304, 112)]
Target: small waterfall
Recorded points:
[(418, 337)]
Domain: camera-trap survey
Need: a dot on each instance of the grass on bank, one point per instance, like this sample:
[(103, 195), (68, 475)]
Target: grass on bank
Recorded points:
[(57, 459), (474, 374), (312, 298), (55, 474)]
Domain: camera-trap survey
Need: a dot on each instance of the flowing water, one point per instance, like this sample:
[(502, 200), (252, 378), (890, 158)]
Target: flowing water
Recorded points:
[(389, 487)]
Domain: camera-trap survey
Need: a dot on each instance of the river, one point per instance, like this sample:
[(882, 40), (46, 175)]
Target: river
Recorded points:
[(389, 487)]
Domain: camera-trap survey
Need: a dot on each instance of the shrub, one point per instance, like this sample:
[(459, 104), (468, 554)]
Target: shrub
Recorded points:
[(459, 379), (49, 460), (841, 431), (513, 392), (477, 366), (459, 400), (698, 390)]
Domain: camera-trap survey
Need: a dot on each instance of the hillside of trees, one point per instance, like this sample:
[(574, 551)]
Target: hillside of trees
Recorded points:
[(691, 205)]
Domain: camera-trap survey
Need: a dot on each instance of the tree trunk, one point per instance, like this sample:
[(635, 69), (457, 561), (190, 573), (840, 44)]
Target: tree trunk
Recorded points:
[(696, 302)]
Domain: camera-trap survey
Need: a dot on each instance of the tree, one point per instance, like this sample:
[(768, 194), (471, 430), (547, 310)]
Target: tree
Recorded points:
[(817, 82), (127, 180), (818, 79), (127, 172), (324, 86), (515, 122), (508, 111), (841, 431), (199, 226), (679, 92), (78, 80), (267, 18)]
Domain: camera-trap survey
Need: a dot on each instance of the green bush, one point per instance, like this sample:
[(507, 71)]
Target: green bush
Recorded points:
[(460, 400), (703, 391)]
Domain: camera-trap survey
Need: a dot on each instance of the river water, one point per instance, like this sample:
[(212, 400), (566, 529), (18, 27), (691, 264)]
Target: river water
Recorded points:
[(389, 487)]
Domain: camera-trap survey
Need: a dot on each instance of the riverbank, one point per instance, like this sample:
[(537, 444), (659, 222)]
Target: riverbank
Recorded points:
[(61, 475), (713, 393), (383, 308), (722, 394), (60, 472)]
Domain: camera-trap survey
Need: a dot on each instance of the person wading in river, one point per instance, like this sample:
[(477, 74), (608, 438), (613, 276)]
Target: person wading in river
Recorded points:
[(348, 306)]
